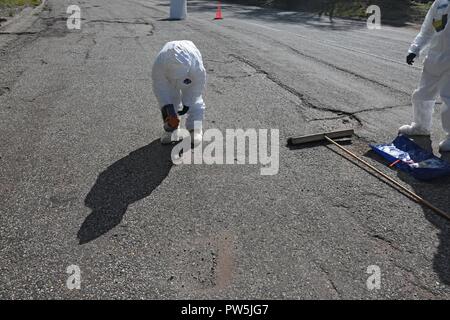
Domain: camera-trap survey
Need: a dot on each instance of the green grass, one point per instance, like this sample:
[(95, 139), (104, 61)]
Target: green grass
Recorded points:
[(11, 7), (391, 14), (424, 7), (19, 3), (419, 10)]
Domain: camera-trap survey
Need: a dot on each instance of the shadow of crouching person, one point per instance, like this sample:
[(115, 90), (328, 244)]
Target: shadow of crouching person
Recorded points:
[(436, 192), (126, 181), (442, 257)]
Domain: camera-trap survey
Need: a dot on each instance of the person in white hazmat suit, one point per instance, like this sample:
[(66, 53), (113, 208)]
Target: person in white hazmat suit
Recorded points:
[(179, 79), (435, 79)]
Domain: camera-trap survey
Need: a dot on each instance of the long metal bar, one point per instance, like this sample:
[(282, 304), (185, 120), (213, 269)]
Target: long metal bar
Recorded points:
[(411, 194)]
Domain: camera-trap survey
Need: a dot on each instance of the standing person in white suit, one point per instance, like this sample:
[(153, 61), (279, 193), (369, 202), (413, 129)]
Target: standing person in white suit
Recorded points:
[(435, 78), (179, 79)]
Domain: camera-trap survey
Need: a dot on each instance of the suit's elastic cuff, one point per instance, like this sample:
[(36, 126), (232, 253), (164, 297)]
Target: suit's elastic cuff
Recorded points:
[(414, 50)]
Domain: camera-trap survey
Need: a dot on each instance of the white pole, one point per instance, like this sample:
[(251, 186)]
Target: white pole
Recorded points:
[(178, 9)]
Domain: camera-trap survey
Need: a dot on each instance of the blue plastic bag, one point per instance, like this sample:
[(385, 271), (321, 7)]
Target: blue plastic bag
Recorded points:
[(419, 163)]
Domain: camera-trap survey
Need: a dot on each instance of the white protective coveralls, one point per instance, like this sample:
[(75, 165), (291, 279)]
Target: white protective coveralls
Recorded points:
[(179, 78), (435, 79)]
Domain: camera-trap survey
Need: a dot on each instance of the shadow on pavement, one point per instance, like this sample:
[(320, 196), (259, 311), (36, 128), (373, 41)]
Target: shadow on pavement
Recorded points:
[(169, 19), (437, 192), (395, 13), (126, 181), (275, 15)]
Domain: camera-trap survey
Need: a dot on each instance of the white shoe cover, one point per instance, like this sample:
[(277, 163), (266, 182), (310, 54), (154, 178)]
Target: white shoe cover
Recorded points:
[(169, 137), (413, 130), (444, 146), (166, 137)]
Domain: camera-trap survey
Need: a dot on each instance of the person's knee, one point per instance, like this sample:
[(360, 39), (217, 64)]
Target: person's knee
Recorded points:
[(421, 95), (445, 97), (445, 108), (445, 117), (196, 114), (418, 96)]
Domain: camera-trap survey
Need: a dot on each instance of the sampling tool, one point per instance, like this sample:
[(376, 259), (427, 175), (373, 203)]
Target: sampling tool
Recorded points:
[(330, 136)]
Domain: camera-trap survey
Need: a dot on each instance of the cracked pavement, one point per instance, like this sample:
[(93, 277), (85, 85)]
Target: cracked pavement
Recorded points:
[(85, 181)]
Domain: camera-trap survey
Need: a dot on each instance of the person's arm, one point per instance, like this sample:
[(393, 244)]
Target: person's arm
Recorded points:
[(426, 32), (163, 91), (161, 85)]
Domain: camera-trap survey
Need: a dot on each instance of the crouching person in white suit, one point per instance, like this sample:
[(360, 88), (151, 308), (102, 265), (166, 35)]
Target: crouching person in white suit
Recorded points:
[(435, 78), (179, 79)]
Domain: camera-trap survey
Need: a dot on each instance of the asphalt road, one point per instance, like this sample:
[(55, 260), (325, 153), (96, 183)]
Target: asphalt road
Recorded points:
[(85, 181)]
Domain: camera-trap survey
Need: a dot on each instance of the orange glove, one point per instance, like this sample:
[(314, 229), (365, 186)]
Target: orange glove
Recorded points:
[(170, 118)]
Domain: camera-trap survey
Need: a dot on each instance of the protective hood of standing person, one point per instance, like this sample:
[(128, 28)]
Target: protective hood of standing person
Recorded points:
[(435, 34)]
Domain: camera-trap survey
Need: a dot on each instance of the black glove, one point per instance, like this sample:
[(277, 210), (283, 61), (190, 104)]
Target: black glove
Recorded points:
[(184, 111), (410, 58)]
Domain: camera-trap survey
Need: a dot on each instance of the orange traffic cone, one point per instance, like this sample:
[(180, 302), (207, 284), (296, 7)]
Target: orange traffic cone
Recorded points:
[(219, 12)]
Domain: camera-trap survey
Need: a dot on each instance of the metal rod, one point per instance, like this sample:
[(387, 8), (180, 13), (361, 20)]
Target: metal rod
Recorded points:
[(320, 137), (413, 195)]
